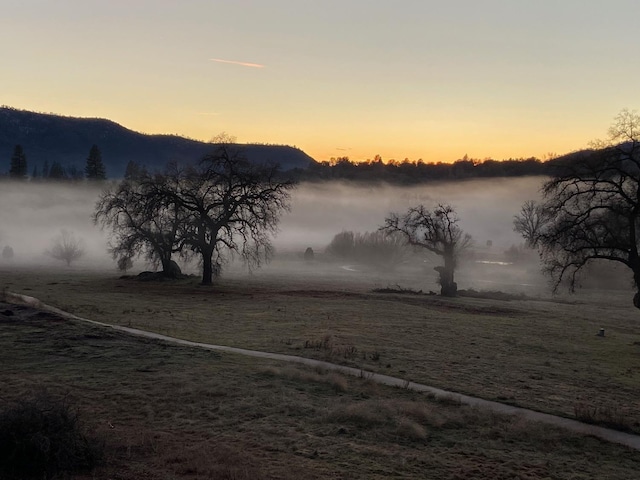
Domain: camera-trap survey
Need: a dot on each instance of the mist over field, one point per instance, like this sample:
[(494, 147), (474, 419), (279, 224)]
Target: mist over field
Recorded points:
[(31, 214), (485, 206)]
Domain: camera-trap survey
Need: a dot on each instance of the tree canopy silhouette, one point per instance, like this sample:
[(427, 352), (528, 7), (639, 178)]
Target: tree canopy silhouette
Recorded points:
[(591, 209), (223, 205)]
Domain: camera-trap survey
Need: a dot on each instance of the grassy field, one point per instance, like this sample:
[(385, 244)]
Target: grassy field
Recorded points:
[(538, 353), (167, 412)]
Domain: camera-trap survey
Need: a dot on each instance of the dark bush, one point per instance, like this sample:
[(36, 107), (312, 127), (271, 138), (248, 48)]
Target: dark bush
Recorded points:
[(42, 439)]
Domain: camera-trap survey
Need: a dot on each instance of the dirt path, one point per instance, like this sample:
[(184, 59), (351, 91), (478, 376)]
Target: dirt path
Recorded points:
[(615, 436)]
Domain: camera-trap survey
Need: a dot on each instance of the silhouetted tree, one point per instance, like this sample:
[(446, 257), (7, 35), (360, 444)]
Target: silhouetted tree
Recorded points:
[(18, 167), (94, 170), (591, 208), (142, 221), (223, 205), (66, 247), (437, 231), (232, 206), (529, 221), (45, 169)]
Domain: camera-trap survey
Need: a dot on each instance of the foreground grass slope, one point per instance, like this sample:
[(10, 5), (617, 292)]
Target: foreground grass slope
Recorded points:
[(167, 412), (539, 354)]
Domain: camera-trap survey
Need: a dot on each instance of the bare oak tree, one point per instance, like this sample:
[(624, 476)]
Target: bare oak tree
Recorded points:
[(222, 206), (232, 206), (437, 231), (141, 221), (591, 208)]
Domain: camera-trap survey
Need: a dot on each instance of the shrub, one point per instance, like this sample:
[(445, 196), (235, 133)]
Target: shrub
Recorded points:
[(7, 252), (308, 254), (42, 438)]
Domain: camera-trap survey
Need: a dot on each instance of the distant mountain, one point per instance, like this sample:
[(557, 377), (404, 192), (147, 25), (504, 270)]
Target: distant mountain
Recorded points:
[(55, 138)]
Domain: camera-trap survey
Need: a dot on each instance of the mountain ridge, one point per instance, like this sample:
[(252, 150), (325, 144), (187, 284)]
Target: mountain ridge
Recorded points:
[(67, 140)]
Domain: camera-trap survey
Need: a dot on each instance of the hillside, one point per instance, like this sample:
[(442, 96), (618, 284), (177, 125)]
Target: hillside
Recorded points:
[(55, 138)]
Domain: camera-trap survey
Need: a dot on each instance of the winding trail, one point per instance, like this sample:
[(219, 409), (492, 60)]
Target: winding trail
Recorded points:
[(614, 436)]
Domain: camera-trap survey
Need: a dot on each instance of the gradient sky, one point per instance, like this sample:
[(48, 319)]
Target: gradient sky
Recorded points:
[(404, 79)]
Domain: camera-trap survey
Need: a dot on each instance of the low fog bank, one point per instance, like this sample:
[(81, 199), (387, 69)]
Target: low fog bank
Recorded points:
[(498, 259), (32, 214), (485, 206)]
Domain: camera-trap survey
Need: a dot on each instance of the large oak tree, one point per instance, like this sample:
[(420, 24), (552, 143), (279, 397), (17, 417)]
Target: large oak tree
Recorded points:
[(590, 209), (223, 205)]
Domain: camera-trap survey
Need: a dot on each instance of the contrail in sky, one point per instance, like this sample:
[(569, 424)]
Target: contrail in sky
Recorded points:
[(243, 64)]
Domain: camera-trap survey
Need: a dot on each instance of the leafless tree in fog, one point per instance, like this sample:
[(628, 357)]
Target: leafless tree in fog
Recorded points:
[(223, 205), (437, 231), (591, 208), (529, 221), (231, 206), (141, 221), (66, 247)]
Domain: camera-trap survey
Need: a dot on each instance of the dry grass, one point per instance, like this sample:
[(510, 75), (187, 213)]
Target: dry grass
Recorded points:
[(534, 353), (169, 413)]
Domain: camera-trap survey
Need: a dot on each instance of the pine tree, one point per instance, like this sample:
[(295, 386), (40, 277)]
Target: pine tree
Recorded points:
[(94, 169), (133, 171), (45, 169), (34, 174), (18, 163), (56, 172)]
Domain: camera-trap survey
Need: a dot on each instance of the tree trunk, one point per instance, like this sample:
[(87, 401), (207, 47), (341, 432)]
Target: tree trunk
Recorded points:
[(207, 268), (636, 279), (166, 265), (170, 269), (448, 287)]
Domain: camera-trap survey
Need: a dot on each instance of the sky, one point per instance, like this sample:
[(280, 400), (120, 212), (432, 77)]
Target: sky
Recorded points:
[(417, 79)]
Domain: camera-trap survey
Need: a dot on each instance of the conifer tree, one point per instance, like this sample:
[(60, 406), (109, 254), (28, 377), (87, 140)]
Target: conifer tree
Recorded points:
[(94, 169), (18, 163)]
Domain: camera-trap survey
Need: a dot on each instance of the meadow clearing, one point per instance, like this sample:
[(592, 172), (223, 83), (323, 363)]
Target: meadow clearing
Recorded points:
[(264, 419)]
